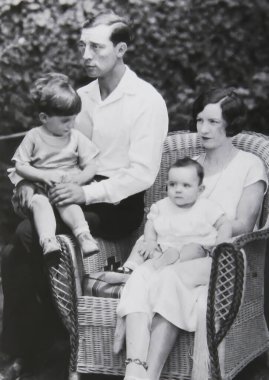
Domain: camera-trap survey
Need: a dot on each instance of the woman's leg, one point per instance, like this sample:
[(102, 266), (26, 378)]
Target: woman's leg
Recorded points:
[(137, 344), (162, 340)]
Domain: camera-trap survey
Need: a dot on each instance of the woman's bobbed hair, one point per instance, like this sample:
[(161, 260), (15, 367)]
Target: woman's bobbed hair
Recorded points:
[(232, 106), (54, 95)]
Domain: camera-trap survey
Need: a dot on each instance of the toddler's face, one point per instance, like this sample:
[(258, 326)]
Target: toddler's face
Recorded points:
[(183, 186), (59, 125)]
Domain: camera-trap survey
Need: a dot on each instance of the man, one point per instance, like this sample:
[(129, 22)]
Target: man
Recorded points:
[(127, 119)]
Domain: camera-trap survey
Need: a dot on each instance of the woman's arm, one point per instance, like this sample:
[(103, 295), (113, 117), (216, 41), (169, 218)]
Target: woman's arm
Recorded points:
[(224, 228), (248, 209)]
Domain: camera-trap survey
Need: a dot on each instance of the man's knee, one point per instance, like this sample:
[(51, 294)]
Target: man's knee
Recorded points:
[(25, 235)]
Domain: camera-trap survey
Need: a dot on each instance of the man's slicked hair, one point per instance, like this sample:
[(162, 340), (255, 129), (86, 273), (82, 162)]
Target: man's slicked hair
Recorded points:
[(121, 29)]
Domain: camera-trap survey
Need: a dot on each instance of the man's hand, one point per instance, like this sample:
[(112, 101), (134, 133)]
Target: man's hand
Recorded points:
[(66, 193), (22, 198)]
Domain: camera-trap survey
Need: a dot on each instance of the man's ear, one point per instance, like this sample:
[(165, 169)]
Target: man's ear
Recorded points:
[(43, 117), (201, 188), (121, 49)]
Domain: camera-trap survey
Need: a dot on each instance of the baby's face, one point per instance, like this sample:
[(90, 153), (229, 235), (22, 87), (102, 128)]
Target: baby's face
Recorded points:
[(183, 186)]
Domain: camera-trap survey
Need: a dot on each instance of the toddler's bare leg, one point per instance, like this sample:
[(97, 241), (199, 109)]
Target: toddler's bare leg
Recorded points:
[(43, 215), (74, 218), (45, 224)]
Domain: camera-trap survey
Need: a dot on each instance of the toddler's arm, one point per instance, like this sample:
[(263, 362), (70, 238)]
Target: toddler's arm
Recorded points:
[(27, 171), (224, 228), (86, 174)]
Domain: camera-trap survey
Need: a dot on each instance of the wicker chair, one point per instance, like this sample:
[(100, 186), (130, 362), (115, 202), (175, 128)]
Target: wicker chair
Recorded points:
[(234, 337)]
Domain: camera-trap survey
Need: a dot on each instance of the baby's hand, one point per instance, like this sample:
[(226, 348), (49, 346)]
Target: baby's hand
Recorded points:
[(170, 256), (147, 248)]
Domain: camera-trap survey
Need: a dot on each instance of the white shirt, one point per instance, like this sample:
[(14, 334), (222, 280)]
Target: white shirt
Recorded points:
[(129, 128)]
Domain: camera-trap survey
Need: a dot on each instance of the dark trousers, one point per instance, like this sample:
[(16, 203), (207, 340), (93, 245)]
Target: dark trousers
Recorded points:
[(30, 322)]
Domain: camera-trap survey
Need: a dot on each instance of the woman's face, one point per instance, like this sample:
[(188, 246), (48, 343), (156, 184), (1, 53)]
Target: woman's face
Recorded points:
[(211, 127)]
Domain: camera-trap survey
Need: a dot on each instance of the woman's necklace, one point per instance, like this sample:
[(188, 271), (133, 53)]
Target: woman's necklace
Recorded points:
[(211, 186)]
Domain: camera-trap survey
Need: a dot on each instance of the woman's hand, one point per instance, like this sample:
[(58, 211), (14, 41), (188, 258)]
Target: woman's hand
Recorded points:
[(62, 194), (22, 197)]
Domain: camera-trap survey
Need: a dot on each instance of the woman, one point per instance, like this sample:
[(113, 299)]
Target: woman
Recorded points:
[(234, 179)]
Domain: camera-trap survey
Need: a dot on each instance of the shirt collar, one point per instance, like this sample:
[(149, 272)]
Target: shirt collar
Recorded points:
[(127, 85)]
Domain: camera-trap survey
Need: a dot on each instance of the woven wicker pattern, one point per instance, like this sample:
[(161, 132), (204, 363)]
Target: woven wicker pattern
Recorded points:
[(224, 298), (96, 316), (65, 291)]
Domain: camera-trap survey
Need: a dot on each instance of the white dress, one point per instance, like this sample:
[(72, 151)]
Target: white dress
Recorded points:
[(176, 226), (173, 291)]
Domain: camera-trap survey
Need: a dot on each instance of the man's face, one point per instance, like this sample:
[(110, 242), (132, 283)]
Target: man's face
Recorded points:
[(99, 53)]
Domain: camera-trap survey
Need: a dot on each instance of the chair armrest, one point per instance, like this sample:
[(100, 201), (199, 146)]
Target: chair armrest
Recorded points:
[(225, 295), (241, 240), (230, 278), (65, 281)]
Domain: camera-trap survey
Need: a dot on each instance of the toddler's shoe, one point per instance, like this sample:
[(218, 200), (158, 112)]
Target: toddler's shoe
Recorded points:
[(52, 251), (87, 244)]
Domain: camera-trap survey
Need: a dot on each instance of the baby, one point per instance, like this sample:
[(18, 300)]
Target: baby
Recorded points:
[(180, 226), (55, 152)]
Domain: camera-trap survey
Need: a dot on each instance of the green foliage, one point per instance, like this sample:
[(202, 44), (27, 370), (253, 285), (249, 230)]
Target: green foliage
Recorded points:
[(180, 46)]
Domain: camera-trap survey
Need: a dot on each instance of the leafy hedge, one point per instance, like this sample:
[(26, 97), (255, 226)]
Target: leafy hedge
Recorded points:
[(180, 46)]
